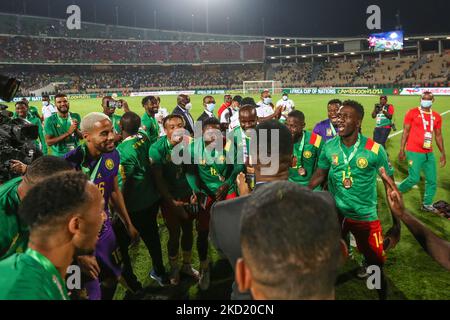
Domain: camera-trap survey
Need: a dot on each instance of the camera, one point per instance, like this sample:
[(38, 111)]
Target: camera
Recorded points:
[(8, 87), (17, 141), (114, 104), (378, 107), (17, 136)]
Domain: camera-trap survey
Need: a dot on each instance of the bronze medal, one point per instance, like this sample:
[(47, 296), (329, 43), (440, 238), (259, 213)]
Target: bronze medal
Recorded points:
[(347, 183), (302, 171)]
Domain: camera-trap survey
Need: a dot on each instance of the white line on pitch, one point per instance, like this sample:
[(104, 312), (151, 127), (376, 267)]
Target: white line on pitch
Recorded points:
[(397, 183)]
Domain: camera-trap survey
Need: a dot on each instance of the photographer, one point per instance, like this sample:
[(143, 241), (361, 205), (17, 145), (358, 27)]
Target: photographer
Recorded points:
[(23, 113), (109, 108), (383, 112), (62, 129)]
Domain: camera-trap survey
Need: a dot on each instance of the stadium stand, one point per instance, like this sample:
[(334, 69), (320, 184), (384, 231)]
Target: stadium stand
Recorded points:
[(431, 70), (61, 50), (80, 80), (29, 40)]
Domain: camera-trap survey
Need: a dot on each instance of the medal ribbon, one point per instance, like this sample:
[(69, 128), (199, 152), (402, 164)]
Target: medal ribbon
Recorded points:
[(87, 171), (299, 152), (352, 155), (244, 143), (333, 130)]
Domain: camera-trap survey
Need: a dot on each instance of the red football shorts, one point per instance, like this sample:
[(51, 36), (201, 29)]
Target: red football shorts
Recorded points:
[(368, 236)]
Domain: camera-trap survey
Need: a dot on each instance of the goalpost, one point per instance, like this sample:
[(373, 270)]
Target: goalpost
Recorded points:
[(255, 87)]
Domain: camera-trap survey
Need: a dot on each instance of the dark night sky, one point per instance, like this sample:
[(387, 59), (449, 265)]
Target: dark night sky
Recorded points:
[(282, 17)]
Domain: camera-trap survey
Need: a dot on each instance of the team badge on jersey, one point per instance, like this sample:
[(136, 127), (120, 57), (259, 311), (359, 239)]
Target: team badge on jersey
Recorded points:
[(307, 154), (335, 159), (109, 164), (362, 163)]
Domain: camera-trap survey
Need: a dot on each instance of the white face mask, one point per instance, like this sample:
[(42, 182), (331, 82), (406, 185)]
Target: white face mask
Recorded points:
[(210, 107), (188, 106), (426, 103), (45, 103), (267, 100), (285, 98)]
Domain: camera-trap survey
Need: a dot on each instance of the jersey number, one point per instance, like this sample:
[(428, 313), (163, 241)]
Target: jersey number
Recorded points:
[(101, 187), (378, 239)]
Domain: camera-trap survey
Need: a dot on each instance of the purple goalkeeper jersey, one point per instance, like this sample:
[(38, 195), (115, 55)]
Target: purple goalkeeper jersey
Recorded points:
[(325, 130), (106, 172)]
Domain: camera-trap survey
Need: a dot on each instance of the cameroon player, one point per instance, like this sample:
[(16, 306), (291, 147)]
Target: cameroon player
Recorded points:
[(351, 162), (212, 179), (149, 121), (176, 196), (139, 192), (100, 161), (65, 214), (240, 136), (307, 146), (62, 129), (13, 231)]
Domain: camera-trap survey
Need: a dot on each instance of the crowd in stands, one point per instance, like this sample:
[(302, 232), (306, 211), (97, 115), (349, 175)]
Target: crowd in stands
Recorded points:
[(67, 50), (293, 75), (96, 81), (430, 70)]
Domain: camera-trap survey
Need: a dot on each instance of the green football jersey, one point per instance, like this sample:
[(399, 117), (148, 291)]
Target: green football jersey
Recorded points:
[(238, 143), (151, 127), (160, 155), (354, 186), (56, 126), (213, 170), (135, 179), (13, 232), (30, 276), (115, 119), (306, 154), (34, 111)]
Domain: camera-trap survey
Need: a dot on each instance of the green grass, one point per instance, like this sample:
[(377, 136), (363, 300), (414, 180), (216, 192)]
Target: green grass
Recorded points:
[(411, 273)]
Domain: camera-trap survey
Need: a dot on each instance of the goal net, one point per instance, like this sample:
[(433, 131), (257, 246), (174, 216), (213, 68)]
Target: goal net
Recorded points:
[(255, 87)]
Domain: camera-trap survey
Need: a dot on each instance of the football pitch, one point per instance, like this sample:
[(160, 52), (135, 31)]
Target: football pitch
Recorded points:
[(411, 273)]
